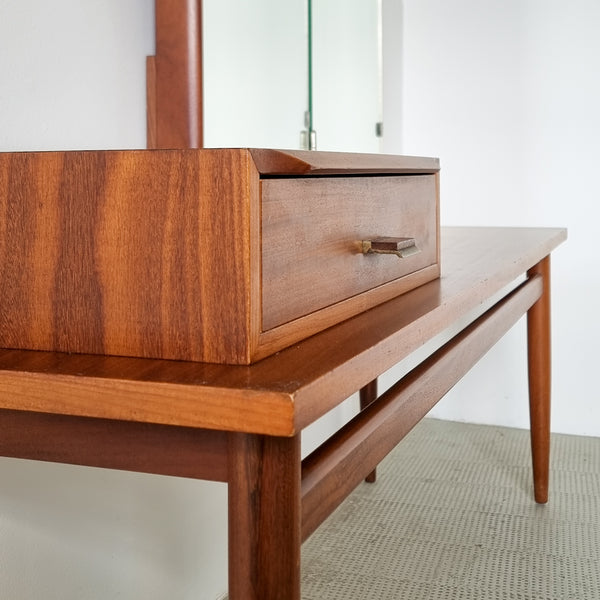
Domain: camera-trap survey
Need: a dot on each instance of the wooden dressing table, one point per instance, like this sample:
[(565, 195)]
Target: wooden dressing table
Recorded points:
[(242, 424)]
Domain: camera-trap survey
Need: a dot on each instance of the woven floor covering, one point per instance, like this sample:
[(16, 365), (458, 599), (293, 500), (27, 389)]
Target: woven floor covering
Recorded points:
[(452, 516)]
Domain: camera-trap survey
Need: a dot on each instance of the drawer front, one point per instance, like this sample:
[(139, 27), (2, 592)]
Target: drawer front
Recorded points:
[(312, 234)]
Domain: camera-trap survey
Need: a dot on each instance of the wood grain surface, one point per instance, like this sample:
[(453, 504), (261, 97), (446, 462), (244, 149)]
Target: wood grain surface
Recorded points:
[(125, 445), (275, 163), (539, 362), (119, 412), (332, 471), (282, 394), (312, 229), (127, 253), (158, 254), (174, 76), (264, 523)]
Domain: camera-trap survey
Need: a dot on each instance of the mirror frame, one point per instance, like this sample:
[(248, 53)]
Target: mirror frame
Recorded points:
[(174, 76)]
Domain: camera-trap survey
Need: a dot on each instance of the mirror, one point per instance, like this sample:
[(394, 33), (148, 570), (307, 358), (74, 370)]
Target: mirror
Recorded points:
[(275, 71)]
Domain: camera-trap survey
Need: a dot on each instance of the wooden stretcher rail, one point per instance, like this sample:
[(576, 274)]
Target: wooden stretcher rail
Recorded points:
[(128, 446), (334, 469)]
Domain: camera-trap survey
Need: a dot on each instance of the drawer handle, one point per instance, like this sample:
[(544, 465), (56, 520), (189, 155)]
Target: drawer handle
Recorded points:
[(402, 247)]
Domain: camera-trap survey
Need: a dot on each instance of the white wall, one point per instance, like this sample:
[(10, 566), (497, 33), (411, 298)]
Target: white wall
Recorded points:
[(506, 93), (72, 73)]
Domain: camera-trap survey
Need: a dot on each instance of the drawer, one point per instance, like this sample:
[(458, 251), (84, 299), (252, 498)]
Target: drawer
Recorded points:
[(216, 255), (312, 234)]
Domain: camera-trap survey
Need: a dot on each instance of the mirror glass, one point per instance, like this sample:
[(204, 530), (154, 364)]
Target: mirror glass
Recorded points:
[(254, 69), (346, 74), (274, 70)]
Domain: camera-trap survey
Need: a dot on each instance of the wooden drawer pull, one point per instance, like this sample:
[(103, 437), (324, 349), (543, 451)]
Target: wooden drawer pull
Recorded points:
[(402, 247)]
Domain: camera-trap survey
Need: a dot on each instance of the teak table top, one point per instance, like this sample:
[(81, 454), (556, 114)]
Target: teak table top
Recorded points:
[(284, 393)]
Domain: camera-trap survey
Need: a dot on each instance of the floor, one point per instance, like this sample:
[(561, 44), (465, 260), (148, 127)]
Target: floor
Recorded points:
[(452, 517)]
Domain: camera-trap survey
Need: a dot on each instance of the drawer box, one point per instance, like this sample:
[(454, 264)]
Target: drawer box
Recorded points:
[(223, 255)]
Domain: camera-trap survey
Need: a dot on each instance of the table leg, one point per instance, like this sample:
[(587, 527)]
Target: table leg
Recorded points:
[(539, 363), (368, 395), (264, 517)]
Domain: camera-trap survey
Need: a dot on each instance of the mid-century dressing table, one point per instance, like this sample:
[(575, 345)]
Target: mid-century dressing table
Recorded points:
[(190, 312), (241, 424)]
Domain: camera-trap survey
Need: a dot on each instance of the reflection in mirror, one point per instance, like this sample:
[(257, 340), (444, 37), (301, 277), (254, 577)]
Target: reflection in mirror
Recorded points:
[(259, 90), (254, 72), (346, 74)]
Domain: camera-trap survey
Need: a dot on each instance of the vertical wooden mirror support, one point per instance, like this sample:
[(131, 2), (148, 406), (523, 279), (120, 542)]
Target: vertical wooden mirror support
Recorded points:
[(174, 76)]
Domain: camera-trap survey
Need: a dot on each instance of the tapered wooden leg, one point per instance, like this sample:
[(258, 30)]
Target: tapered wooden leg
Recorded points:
[(264, 517), (368, 395), (539, 362)]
